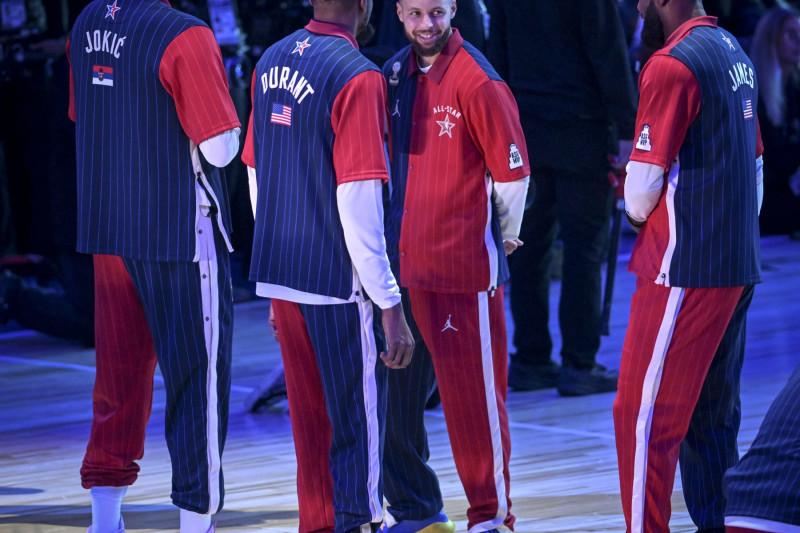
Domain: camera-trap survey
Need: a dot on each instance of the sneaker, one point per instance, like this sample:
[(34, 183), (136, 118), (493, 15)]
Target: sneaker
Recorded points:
[(272, 392), (120, 530), (524, 377), (436, 524), (584, 381)]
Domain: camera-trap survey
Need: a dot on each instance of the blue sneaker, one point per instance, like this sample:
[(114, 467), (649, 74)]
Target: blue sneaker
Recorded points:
[(120, 530), (438, 523)]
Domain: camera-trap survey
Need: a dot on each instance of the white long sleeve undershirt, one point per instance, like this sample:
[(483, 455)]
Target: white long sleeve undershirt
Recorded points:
[(645, 182), (361, 214), (220, 149), (643, 186), (509, 199)]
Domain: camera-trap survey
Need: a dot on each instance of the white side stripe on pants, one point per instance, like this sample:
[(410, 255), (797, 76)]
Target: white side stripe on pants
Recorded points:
[(494, 418), (652, 381), (209, 288), (370, 359)]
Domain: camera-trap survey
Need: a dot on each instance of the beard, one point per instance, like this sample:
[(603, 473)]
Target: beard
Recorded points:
[(653, 29), (432, 49)]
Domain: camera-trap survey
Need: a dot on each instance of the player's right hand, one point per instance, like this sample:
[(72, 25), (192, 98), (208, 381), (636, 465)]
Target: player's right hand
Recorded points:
[(509, 245), (398, 338)]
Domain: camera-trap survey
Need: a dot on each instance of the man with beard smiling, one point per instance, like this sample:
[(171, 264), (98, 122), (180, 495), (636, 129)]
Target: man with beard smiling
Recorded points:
[(459, 182), (693, 192), (315, 157)]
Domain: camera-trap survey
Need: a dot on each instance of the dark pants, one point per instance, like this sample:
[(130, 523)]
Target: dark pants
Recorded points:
[(766, 482), (189, 310), (577, 208), (337, 402), (411, 485)]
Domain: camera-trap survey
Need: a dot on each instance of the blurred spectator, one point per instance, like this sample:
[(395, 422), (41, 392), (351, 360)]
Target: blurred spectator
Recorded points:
[(568, 69), (776, 57), (53, 292)]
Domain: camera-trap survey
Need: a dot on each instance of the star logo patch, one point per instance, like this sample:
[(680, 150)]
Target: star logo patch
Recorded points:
[(447, 126), (301, 46), (730, 43), (112, 10)]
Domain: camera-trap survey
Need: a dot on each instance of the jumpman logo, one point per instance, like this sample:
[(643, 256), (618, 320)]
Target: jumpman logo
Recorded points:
[(448, 325), (396, 112)]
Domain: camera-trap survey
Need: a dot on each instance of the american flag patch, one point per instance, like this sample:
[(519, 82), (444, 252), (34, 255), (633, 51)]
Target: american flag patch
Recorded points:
[(102, 75), (747, 108), (281, 114)]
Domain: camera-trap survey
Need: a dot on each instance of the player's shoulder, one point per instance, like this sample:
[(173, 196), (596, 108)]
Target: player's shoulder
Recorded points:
[(181, 17), (663, 66), (476, 61)]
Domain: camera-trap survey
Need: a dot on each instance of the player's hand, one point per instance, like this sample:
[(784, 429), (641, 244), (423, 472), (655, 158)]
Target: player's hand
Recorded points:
[(273, 326), (398, 338), (511, 244)]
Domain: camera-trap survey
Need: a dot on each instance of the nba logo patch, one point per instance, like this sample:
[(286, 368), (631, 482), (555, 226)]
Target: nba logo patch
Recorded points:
[(281, 114), (102, 76), (514, 157), (747, 108), (643, 142)]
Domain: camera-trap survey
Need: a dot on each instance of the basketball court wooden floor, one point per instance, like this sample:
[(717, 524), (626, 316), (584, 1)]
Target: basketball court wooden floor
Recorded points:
[(564, 475)]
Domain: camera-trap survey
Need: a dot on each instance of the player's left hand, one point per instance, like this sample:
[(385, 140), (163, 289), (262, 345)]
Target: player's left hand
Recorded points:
[(398, 337), (511, 244)]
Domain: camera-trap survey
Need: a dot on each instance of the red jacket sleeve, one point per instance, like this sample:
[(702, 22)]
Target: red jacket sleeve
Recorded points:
[(248, 154), (71, 110), (359, 121), (669, 101), (493, 121), (191, 71)]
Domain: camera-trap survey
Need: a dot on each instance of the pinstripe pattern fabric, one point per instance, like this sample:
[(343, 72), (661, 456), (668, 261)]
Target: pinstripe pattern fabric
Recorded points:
[(411, 486), (299, 241), (123, 389), (189, 308), (466, 335), (133, 133), (311, 427), (718, 162), (346, 366), (766, 483), (457, 122), (673, 334), (704, 231), (332, 134), (710, 446)]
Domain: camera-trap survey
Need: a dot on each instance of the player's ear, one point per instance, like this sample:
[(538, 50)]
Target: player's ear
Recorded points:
[(453, 9), (399, 11)]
